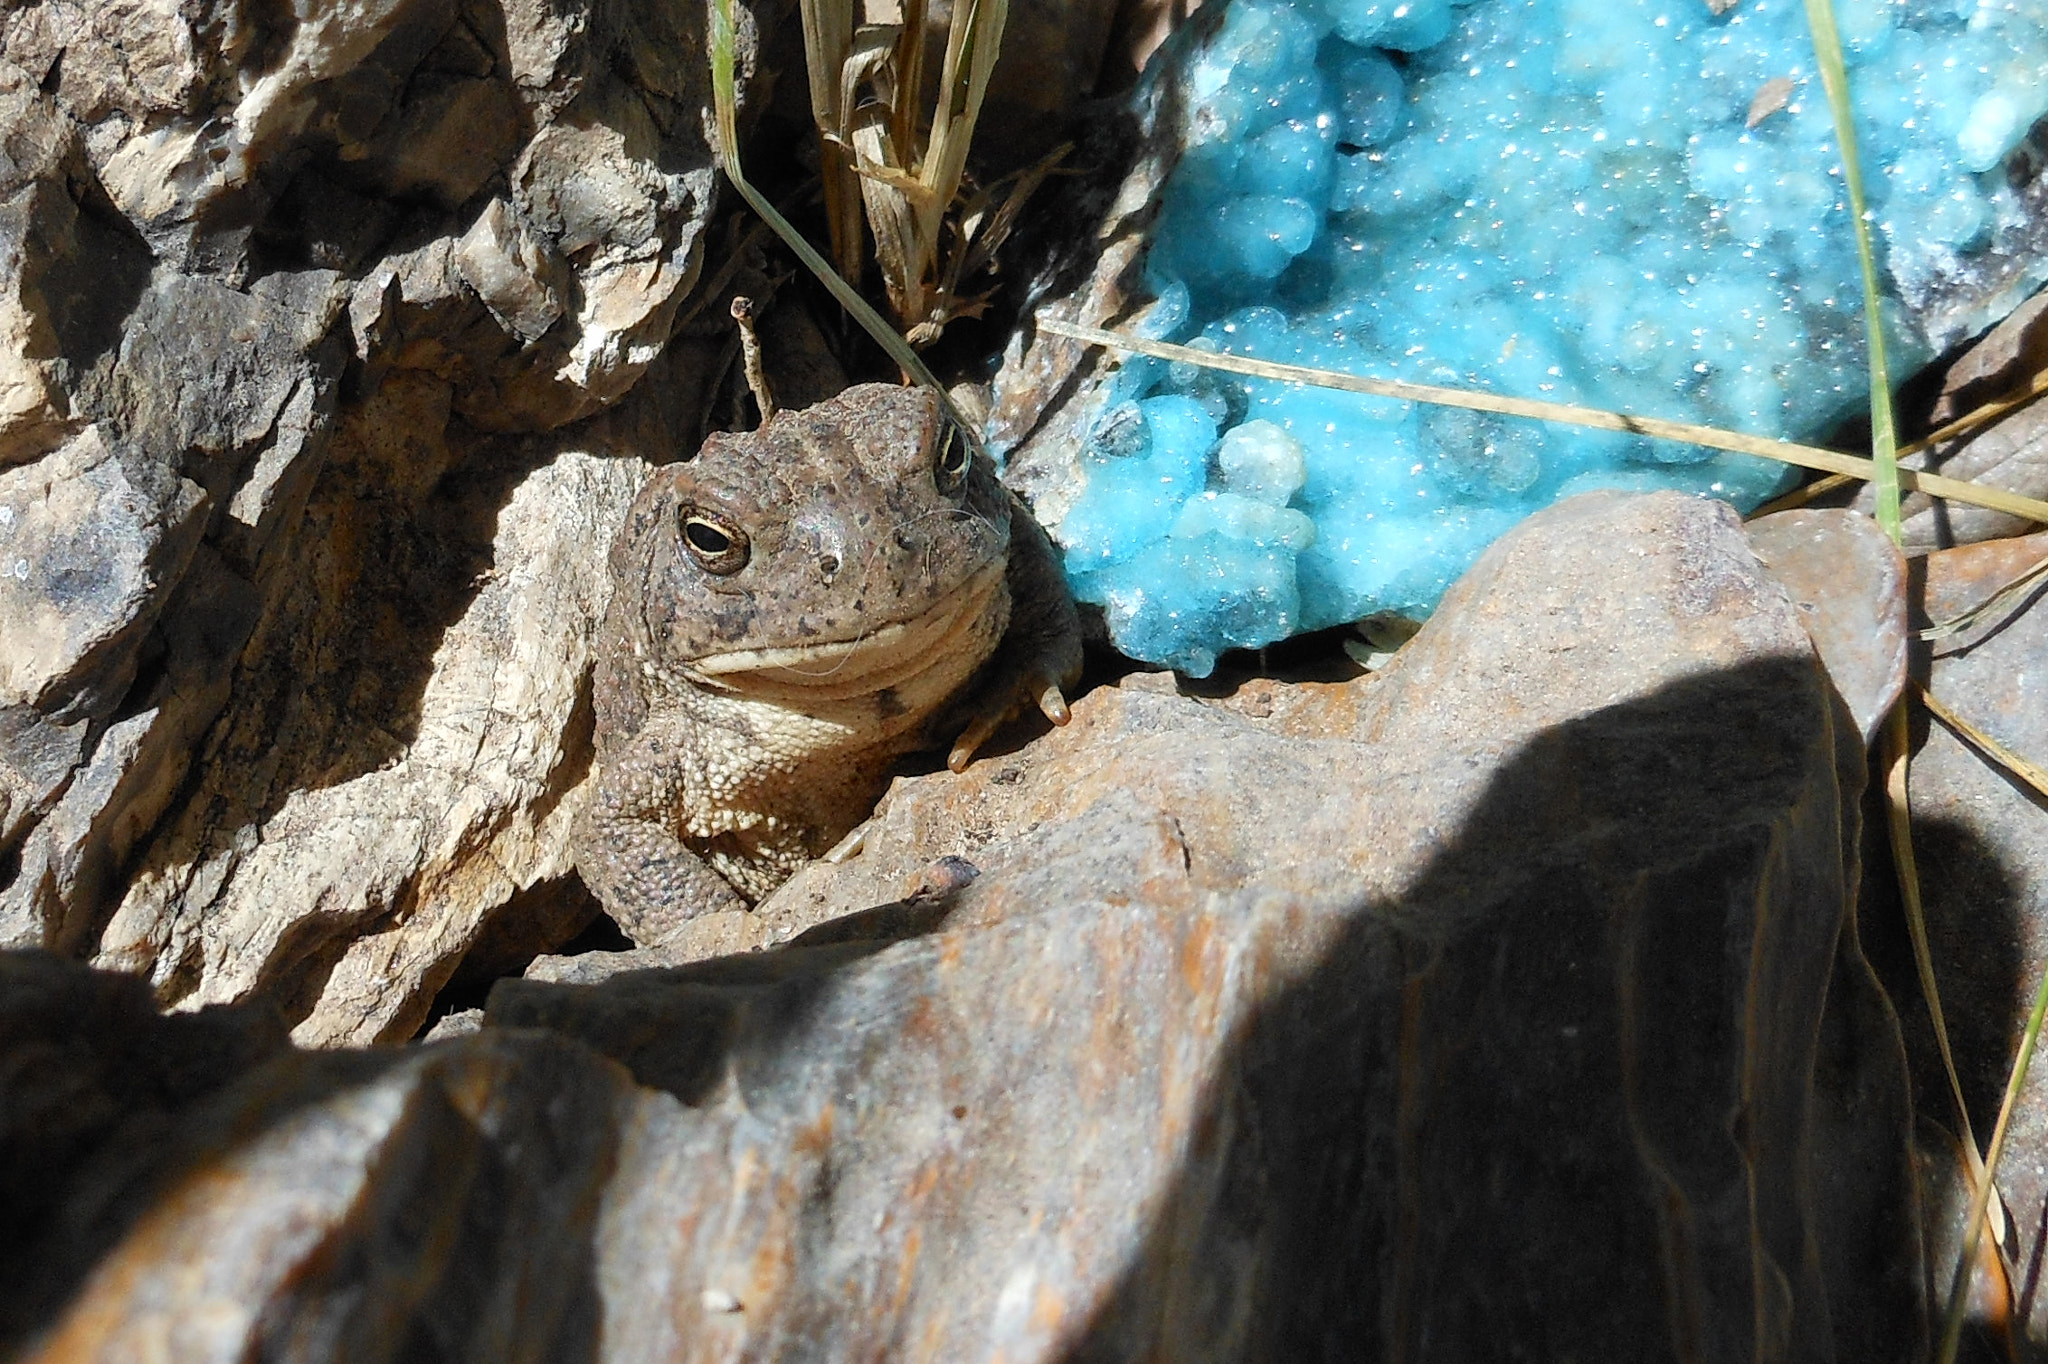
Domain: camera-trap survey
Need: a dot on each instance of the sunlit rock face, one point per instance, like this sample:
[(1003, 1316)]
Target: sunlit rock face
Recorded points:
[(1632, 204)]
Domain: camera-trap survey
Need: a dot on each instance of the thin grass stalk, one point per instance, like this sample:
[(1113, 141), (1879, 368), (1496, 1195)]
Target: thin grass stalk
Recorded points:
[(1959, 1287), (1979, 416), (1801, 495), (1884, 434), (1899, 822), (726, 104), (2021, 766), (2021, 586), (1961, 426), (1785, 452), (1982, 1213), (1834, 76)]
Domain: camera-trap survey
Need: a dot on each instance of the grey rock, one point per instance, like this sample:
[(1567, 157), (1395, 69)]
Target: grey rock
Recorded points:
[(232, 242), (460, 1023), (36, 761), (91, 539), (408, 718), (68, 269)]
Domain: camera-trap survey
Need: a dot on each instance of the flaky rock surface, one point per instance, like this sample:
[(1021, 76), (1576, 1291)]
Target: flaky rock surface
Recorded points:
[(1560, 1040), (323, 335)]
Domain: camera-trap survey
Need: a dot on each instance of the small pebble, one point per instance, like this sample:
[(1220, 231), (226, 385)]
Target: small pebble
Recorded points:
[(944, 875)]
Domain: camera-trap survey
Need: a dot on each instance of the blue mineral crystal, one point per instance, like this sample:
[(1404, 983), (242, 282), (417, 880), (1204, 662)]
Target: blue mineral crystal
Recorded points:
[(1632, 204)]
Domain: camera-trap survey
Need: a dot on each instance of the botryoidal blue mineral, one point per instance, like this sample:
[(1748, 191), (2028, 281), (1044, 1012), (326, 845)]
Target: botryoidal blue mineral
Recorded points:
[(1632, 204)]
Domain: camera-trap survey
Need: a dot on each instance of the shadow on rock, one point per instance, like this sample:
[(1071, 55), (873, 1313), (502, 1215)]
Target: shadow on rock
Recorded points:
[(1604, 1095), (437, 1204), (1508, 1004)]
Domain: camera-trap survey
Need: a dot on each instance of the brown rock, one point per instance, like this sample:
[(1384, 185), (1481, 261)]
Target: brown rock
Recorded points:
[(1522, 1011), (1458, 974), (348, 1207), (366, 811), (1849, 582)]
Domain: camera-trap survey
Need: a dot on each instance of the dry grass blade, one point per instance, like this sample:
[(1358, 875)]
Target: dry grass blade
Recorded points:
[(1787, 452), (865, 86), (1961, 426), (828, 53), (1981, 416), (1986, 1208), (2021, 766), (983, 228), (1899, 813), (2010, 594), (725, 104), (972, 42), (1801, 495)]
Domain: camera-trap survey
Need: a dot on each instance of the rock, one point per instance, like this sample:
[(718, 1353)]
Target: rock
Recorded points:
[(1980, 837), (1545, 1026), (2010, 452), (294, 656), (36, 761), (410, 784), (332, 1206), (1055, 55), (90, 538), (1051, 391), (93, 1081), (1849, 581)]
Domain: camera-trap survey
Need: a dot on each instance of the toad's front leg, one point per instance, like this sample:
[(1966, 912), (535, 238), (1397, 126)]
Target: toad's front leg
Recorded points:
[(626, 847), (1040, 653)]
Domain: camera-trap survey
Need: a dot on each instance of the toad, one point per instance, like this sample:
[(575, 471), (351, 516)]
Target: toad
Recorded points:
[(792, 611)]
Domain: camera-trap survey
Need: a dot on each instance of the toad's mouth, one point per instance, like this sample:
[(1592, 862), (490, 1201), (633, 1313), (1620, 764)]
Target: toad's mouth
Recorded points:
[(884, 657)]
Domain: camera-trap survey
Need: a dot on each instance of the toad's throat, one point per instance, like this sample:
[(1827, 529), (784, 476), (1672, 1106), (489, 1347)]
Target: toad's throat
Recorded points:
[(885, 657)]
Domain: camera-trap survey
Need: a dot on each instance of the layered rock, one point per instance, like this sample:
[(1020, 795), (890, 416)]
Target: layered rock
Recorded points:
[(1509, 1000), (294, 650)]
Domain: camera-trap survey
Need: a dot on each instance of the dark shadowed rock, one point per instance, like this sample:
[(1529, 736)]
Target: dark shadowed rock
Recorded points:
[(1980, 835), (1508, 1002), (93, 1082), (342, 1206)]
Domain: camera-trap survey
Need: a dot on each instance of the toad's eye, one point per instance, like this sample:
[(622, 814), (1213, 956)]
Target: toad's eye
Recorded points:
[(950, 466), (717, 546)]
